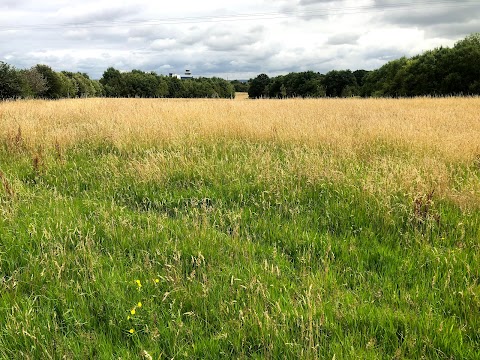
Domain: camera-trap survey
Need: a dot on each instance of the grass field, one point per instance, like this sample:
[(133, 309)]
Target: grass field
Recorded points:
[(313, 229)]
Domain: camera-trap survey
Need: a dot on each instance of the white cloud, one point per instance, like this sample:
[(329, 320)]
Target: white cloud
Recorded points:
[(240, 40)]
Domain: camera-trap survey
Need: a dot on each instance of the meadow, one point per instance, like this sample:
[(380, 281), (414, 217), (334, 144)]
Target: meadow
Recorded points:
[(208, 229)]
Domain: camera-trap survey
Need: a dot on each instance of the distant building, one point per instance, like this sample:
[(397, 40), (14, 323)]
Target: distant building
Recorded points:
[(174, 75), (188, 75)]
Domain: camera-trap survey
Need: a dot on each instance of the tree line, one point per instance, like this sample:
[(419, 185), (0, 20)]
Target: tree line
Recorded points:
[(440, 72), (41, 81), (137, 83)]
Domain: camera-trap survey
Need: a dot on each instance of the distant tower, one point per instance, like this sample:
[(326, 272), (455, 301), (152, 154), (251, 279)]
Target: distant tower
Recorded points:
[(188, 75)]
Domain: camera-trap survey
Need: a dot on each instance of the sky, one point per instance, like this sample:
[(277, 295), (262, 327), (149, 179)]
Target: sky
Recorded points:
[(232, 40)]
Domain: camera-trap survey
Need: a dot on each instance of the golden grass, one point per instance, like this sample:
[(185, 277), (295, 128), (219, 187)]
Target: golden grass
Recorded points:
[(448, 126), (422, 137)]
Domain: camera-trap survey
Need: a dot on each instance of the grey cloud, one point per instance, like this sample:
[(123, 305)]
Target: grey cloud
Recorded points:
[(153, 32), (428, 14), (212, 62), (383, 53), (219, 38), (454, 31), (96, 35), (343, 39), (315, 2), (228, 41), (163, 44), (97, 15), (13, 4)]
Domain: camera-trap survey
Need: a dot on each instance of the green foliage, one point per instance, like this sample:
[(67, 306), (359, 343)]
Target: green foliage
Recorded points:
[(80, 85), (69, 86), (55, 87), (112, 82), (150, 85), (360, 76), (389, 80), (305, 84), (259, 87), (228, 258), (442, 71), (240, 86), (33, 83), (340, 84), (10, 85)]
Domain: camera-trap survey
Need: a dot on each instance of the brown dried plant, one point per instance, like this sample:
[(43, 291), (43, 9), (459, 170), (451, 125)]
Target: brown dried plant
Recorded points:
[(6, 186), (37, 162), (58, 151), (423, 210)]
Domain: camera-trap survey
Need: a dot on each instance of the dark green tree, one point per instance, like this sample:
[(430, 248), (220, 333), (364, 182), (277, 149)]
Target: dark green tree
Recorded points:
[(466, 56), (10, 82), (336, 83), (176, 88), (259, 86), (360, 76), (389, 80), (33, 83), (54, 82), (240, 86), (112, 82)]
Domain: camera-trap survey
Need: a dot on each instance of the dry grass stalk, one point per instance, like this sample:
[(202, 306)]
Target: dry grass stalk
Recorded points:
[(423, 209), (58, 151), (18, 137), (37, 161), (6, 186)]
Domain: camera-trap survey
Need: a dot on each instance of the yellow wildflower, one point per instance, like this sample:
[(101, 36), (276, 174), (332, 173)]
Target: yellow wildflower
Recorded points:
[(157, 281), (128, 317), (139, 284), (132, 311), (139, 305), (131, 331)]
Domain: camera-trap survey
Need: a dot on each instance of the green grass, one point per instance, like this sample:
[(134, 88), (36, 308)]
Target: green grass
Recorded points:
[(254, 258)]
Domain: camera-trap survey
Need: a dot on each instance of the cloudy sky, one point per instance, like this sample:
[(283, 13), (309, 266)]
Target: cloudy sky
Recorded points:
[(234, 40)]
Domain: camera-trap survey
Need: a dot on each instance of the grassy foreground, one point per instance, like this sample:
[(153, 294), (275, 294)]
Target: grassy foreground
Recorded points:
[(346, 229)]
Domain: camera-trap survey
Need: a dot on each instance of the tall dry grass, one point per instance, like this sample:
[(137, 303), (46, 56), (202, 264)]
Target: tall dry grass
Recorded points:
[(407, 144), (449, 126)]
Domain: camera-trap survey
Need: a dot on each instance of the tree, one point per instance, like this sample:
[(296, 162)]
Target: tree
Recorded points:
[(33, 83), (69, 87), (360, 76), (240, 86), (259, 86), (54, 82), (112, 82), (99, 91), (466, 57), (10, 86), (336, 83), (389, 80), (162, 87), (310, 84), (175, 88)]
